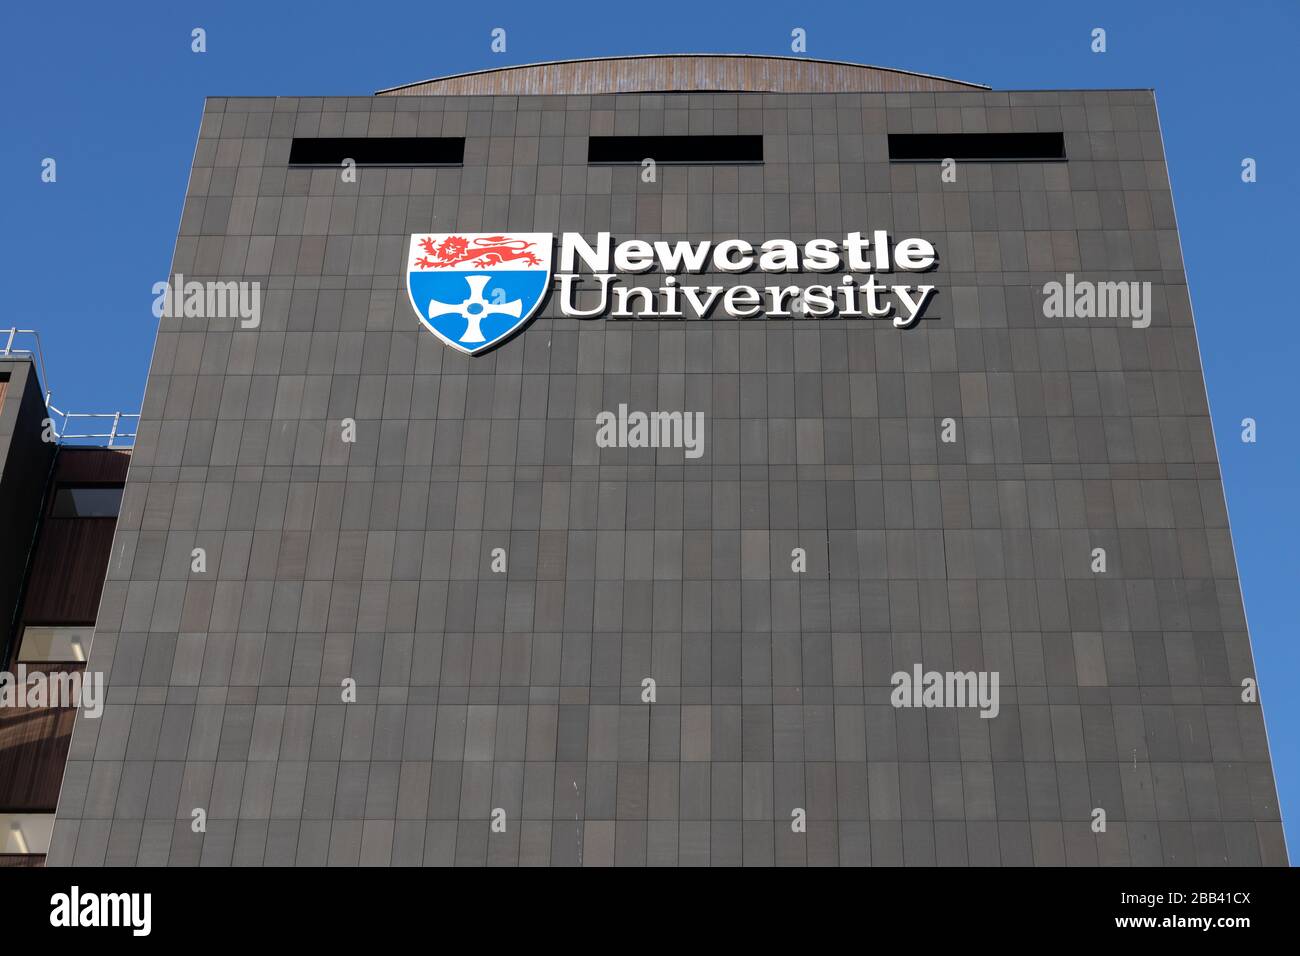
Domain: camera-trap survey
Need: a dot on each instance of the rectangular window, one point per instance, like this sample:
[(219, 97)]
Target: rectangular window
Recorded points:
[(977, 147), (87, 501), (378, 151), (55, 645), (26, 832), (675, 149)]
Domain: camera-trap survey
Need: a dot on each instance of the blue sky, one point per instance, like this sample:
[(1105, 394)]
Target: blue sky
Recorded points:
[(114, 94)]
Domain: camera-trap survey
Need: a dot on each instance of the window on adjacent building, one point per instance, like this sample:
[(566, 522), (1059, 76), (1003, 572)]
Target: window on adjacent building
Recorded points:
[(87, 501), (55, 645), (25, 833)]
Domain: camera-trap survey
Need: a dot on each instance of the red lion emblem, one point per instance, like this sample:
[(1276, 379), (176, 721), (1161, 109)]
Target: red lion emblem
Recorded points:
[(484, 252)]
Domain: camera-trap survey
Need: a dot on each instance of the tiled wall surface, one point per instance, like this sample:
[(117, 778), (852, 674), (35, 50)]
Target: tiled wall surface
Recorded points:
[(522, 691)]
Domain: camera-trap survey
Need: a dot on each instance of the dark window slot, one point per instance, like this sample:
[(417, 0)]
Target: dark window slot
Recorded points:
[(87, 501), (675, 149), (977, 147), (378, 151)]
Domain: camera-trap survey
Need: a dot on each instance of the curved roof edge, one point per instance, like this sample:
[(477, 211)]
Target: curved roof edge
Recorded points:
[(681, 72)]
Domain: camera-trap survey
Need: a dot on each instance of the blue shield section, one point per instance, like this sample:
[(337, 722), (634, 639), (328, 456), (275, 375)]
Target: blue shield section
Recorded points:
[(448, 304)]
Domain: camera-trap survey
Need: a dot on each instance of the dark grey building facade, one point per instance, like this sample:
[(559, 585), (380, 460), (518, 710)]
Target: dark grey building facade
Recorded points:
[(949, 487)]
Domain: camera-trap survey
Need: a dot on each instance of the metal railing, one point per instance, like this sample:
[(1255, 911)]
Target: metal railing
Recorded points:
[(36, 355), (117, 436), (70, 427)]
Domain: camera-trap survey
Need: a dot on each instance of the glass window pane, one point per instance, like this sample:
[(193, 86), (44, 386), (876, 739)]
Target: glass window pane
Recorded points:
[(55, 644), (25, 832), (88, 501)]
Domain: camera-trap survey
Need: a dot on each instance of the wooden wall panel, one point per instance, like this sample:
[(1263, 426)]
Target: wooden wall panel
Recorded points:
[(33, 750), (68, 572), (91, 465), (71, 559)]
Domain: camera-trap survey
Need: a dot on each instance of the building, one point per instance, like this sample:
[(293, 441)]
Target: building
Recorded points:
[(61, 484), (925, 562)]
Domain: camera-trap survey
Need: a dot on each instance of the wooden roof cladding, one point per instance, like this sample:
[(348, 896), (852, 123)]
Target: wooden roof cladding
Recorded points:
[(734, 73)]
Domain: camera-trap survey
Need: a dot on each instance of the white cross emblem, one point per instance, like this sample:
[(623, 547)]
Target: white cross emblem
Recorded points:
[(475, 308)]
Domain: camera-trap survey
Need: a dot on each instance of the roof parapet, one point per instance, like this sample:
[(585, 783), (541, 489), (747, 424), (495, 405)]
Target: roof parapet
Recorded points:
[(681, 72)]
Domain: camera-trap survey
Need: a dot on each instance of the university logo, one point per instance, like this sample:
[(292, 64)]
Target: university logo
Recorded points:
[(475, 290)]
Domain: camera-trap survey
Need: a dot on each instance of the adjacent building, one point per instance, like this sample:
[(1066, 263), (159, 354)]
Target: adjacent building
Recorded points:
[(61, 479)]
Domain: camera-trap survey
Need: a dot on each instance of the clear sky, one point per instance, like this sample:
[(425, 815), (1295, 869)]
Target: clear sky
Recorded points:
[(114, 94)]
